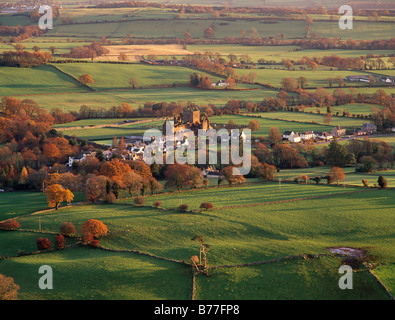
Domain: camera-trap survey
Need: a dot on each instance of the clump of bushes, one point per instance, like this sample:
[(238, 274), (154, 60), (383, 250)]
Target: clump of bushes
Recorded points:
[(110, 198), (157, 204), (206, 205), (382, 182), (67, 228), (139, 201), (43, 244), (10, 224), (59, 242), (365, 183), (183, 207)]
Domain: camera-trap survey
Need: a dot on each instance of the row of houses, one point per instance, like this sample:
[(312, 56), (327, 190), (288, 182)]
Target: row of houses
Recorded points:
[(295, 137), (369, 78)]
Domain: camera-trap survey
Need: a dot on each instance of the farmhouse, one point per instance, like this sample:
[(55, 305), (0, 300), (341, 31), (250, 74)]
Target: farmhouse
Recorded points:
[(191, 119), (80, 158), (323, 135), (386, 79), (287, 134), (307, 135), (220, 83), (368, 128), (358, 78), (338, 131), (294, 138)]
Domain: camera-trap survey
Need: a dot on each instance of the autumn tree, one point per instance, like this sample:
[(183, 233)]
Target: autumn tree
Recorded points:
[(23, 176), (289, 84), (133, 83), (95, 187), (182, 175), (302, 82), (56, 194), (67, 228), (267, 172), (95, 227), (230, 176), (254, 125), (85, 79), (337, 174), (209, 33), (275, 135), (8, 288)]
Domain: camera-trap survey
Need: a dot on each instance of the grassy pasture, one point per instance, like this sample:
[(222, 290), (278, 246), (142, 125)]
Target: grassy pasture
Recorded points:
[(316, 79), (236, 235), (277, 53), (88, 274), (110, 76), (242, 195), (138, 97), (288, 280), (93, 122), (106, 133), (27, 202), (307, 117), (37, 80), (353, 108)]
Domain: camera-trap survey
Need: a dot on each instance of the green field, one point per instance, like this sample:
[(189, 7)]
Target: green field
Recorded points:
[(277, 53), (236, 235), (38, 80), (146, 75), (312, 118), (110, 132)]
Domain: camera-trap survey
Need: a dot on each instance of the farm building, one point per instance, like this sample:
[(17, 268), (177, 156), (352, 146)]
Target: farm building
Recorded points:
[(368, 128), (361, 78), (338, 131)]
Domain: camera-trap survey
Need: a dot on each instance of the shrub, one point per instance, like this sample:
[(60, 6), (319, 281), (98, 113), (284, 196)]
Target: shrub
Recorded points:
[(206, 182), (316, 179), (59, 242), (382, 182), (87, 238), (206, 205), (10, 224), (110, 198), (95, 243), (183, 207), (139, 201), (8, 288), (329, 179), (67, 228), (94, 227), (365, 183), (43, 244), (157, 203)]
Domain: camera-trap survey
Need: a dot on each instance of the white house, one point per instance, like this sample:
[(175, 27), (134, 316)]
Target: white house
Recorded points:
[(287, 134), (307, 135), (220, 83), (294, 138)]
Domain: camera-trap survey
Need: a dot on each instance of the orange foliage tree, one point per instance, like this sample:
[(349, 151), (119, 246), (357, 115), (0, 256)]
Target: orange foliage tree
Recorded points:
[(229, 176), (56, 194), (94, 227)]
